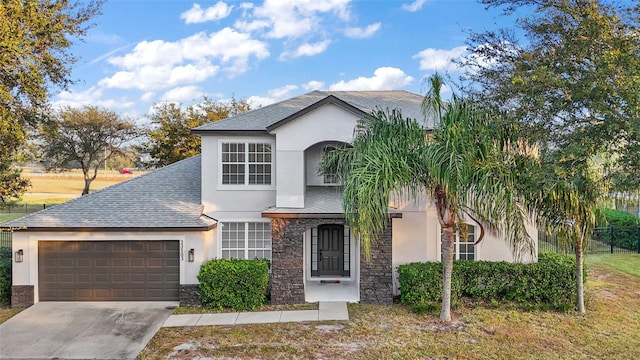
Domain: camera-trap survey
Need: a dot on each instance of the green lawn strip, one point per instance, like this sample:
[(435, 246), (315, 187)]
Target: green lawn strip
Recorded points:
[(7, 313), (625, 263)]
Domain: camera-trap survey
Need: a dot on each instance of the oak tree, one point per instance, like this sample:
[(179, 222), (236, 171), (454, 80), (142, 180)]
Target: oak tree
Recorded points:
[(85, 136), (35, 59)]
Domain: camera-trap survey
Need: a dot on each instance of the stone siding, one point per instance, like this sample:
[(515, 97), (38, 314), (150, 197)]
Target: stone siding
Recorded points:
[(287, 263), (376, 275), (22, 295), (189, 295)]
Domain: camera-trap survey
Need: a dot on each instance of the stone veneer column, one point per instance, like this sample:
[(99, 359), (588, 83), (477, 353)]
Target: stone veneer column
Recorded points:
[(22, 295), (376, 282), (287, 266)]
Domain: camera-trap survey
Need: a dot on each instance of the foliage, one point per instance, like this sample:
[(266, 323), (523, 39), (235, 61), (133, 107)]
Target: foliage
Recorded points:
[(620, 218), (87, 136), (467, 165), (573, 80), (169, 136), (35, 37), (547, 283), (234, 283), (5, 275), (12, 185), (624, 229)]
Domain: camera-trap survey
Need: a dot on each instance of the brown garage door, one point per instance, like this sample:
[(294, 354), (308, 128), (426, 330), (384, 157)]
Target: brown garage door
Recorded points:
[(108, 270)]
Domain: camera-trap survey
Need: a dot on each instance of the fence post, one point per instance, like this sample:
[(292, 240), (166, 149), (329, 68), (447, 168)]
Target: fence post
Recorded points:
[(638, 238), (611, 237)]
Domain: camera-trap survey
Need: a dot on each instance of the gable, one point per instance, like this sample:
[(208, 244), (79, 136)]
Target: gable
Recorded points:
[(327, 122)]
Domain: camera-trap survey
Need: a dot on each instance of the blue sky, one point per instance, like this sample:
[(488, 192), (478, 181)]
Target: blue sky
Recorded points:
[(143, 52)]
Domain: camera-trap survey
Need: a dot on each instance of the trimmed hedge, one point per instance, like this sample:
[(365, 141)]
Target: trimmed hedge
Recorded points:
[(549, 283), (235, 284), (625, 229), (5, 275)]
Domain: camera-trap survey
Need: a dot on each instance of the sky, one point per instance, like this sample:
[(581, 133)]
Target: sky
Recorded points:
[(143, 52)]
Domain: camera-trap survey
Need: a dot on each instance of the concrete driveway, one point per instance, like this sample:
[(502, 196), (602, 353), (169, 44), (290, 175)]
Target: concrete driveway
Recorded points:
[(82, 330)]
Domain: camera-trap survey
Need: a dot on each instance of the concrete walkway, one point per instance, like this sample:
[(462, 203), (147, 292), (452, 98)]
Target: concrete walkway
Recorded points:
[(327, 311)]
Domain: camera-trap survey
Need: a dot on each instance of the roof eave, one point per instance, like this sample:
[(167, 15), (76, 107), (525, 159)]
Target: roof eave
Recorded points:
[(228, 132), (113, 229)]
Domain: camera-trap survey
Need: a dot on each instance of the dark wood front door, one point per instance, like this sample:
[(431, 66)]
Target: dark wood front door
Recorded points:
[(330, 250)]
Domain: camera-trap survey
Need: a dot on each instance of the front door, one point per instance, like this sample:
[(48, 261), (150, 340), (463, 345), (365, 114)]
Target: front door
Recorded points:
[(330, 250)]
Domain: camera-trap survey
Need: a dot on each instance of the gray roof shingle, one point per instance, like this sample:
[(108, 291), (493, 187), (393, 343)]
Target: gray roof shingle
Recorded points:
[(165, 198), (260, 119)]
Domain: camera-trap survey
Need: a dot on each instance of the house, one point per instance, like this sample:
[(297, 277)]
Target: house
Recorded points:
[(253, 192)]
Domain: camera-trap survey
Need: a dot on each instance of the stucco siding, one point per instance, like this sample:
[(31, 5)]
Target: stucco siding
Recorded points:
[(218, 198)]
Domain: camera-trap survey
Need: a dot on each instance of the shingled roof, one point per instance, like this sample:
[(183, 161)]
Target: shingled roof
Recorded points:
[(263, 118), (163, 199)]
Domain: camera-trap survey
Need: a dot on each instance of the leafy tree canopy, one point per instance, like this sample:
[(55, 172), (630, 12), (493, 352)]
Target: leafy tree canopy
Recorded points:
[(169, 136), (35, 41), (86, 136), (573, 79)]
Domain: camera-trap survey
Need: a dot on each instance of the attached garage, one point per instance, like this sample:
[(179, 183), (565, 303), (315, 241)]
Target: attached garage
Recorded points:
[(109, 270)]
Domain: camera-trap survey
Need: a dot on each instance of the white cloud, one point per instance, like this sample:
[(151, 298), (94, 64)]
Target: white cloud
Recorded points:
[(291, 18), (197, 14), (159, 64), (148, 96), (149, 78), (313, 85), (440, 59), (306, 49), (183, 94), (91, 96), (384, 78), (359, 33), (414, 6), (273, 95)]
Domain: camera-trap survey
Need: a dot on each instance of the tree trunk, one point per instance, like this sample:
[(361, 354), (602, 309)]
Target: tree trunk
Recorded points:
[(447, 270), (87, 183), (579, 277)]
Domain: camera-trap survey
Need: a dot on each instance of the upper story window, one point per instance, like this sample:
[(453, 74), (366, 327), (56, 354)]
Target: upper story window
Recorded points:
[(331, 178), (245, 163)]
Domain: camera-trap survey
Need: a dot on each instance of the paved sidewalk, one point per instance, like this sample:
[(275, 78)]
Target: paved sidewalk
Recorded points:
[(329, 310)]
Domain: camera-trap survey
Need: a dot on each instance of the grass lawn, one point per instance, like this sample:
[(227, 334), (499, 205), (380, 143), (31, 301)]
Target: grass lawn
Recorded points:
[(610, 329), (6, 313)]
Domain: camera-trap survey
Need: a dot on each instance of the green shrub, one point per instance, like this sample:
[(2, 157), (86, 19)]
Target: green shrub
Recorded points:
[(549, 283), (5, 275), (235, 284), (625, 229)]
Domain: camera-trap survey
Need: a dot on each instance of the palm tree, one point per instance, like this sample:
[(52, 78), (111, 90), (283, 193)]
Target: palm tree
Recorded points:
[(568, 198), (467, 166)]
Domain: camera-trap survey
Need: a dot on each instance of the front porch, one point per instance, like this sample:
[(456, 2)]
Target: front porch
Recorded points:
[(303, 270)]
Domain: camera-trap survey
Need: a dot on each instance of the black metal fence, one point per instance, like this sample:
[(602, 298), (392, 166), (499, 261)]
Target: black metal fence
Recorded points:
[(23, 208), (5, 239), (603, 240)]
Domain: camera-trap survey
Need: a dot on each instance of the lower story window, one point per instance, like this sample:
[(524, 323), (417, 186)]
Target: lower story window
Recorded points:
[(246, 240), (464, 243)]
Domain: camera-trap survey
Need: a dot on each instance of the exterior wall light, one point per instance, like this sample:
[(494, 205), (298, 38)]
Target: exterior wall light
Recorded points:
[(19, 256), (191, 255)]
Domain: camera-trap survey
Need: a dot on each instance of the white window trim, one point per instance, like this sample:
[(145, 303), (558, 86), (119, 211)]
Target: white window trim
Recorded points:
[(244, 220), (246, 186), (456, 243)]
